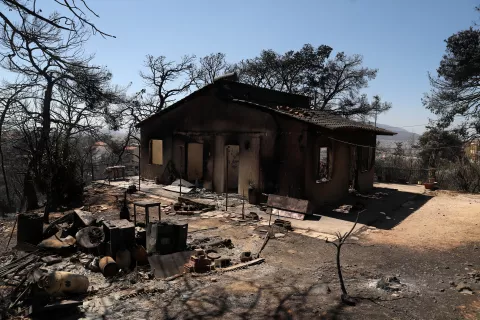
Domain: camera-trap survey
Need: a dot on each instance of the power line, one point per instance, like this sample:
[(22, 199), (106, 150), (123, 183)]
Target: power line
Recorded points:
[(393, 148)]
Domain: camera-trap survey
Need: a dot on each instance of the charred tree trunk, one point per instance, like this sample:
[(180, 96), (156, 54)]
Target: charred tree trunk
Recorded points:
[(339, 270), (30, 200), (44, 147), (4, 173)]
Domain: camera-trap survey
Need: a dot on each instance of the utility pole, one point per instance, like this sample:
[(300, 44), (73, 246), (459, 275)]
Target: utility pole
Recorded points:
[(243, 204), (91, 162), (181, 168), (139, 174)]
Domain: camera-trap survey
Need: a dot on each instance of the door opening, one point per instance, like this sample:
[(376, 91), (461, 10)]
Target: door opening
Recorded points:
[(194, 162), (232, 163)]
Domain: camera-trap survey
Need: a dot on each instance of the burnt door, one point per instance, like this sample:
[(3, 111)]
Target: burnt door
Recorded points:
[(353, 168), (194, 161), (232, 161)]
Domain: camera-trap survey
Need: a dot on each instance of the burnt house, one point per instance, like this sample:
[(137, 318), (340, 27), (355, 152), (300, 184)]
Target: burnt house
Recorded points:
[(233, 136)]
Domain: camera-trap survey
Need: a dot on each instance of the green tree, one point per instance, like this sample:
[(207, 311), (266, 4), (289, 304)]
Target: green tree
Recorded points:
[(399, 151), (456, 87), (334, 84), (438, 145)]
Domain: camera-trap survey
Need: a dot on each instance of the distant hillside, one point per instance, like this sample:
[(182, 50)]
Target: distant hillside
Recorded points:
[(401, 136)]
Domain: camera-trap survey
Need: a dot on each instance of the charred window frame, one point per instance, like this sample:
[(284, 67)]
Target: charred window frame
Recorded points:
[(324, 163), (156, 152)]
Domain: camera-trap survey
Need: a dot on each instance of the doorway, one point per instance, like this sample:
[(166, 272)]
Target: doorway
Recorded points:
[(232, 161), (353, 176), (194, 161)]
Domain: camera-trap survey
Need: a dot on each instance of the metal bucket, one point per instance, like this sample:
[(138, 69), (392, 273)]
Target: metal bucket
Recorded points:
[(140, 255), (124, 259), (108, 266)]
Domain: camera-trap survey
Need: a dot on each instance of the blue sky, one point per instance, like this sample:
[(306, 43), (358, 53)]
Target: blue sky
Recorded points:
[(404, 39)]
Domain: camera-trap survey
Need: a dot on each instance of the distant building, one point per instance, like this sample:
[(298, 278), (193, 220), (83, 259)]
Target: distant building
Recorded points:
[(103, 157), (472, 150), (130, 160)]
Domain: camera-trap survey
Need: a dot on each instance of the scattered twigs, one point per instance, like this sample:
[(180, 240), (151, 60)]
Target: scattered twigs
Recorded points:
[(11, 233), (19, 296)]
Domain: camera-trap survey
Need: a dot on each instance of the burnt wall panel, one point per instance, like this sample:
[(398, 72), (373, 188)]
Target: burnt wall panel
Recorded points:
[(204, 117), (336, 188), (219, 164), (148, 170), (289, 158)]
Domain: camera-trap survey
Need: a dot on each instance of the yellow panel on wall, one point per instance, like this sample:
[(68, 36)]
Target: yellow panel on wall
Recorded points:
[(156, 152)]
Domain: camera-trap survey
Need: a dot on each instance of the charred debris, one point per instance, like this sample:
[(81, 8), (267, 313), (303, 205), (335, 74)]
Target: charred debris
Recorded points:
[(52, 266)]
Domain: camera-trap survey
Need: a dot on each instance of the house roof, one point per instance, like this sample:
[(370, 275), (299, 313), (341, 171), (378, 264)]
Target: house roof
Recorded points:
[(320, 118)]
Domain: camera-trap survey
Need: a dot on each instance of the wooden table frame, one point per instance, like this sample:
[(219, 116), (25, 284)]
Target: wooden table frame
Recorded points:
[(146, 205)]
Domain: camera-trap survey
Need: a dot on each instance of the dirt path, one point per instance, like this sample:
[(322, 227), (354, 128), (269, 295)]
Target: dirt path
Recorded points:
[(446, 221)]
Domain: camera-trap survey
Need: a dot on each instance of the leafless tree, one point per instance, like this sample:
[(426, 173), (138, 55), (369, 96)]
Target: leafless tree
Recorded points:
[(10, 96), (167, 80), (55, 62), (211, 67), (76, 17), (338, 243)]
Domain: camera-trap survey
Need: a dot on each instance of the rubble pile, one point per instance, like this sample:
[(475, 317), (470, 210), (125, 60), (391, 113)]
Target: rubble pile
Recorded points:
[(77, 256)]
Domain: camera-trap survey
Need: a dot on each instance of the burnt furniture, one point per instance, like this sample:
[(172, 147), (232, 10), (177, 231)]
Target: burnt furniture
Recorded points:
[(119, 234), (146, 205), (115, 172), (166, 238)]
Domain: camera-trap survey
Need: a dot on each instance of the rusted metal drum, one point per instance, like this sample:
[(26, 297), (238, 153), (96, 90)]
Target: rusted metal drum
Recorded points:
[(60, 283), (140, 255), (108, 266)]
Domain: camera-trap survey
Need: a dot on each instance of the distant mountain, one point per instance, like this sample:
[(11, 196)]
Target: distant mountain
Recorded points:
[(401, 136)]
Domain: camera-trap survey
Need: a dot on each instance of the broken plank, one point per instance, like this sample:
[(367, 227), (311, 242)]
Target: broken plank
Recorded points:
[(288, 214), (243, 265), (290, 204), (178, 275), (177, 189)]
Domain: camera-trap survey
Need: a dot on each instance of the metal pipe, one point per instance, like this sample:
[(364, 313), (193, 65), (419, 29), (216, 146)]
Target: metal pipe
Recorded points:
[(13, 228), (181, 168), (227, 150), (243, 204), (269, 220), (139, 160)]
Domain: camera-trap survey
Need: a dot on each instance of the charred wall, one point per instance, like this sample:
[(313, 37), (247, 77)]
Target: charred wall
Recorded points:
[(215, 123)]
